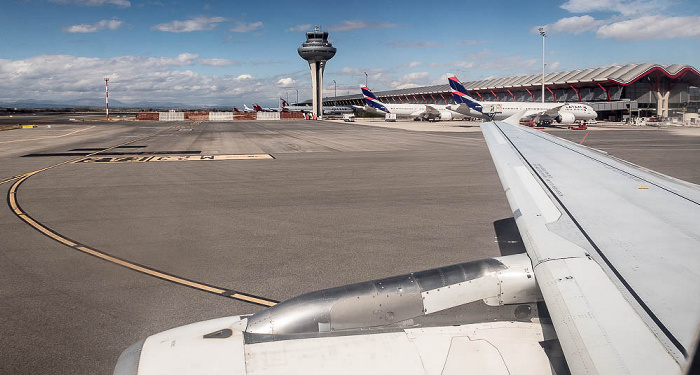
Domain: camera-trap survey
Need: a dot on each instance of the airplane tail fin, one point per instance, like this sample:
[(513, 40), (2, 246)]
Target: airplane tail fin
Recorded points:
[(461, 95), (284, 103), (236, 110), (257, 107), (372, 101)]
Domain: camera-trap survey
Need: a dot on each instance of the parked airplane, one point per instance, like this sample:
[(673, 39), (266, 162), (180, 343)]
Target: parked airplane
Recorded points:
[(416, 111), (541, 113), (611, 248), (245, 109), (327, 110), (258, 108)]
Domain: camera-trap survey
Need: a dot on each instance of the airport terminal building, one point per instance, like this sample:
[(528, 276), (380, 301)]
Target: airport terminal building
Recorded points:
[(615, 92)]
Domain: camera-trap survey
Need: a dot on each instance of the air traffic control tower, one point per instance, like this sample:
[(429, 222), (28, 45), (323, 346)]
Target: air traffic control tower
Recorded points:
[(317, 50)]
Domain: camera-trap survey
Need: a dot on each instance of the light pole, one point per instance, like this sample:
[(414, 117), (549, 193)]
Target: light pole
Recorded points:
[(335, 91), (297, 103), (287, 97), (544, 35), (107, 97), (366, 80)]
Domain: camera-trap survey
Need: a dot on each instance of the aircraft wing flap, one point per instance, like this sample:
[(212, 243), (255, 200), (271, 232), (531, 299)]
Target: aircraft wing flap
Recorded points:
[(554, 111), (583, 213), (431, 110)]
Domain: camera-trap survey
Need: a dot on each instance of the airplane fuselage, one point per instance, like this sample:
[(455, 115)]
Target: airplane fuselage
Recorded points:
[(416, 110), (502, 110)]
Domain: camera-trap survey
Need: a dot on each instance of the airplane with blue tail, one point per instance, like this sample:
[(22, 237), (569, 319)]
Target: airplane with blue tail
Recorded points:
[(541, 113), (425, 112)]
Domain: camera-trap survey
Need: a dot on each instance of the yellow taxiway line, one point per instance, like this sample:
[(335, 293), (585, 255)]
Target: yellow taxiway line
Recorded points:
[(17, 210)]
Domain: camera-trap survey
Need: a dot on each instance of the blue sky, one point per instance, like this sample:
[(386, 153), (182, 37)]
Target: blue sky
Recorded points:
[(234, 52)]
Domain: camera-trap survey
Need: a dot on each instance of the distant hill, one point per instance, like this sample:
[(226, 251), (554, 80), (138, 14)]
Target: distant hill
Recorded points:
[(34, 103), (99, 103)]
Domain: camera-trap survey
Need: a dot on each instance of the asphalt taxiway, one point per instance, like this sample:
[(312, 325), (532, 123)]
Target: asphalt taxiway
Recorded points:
[(155, 213)]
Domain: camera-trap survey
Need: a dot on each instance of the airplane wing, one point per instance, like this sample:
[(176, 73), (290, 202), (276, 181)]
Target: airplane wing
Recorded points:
[(428, 112), (549, 113), (614, 250), (431, 110), (614, 246)]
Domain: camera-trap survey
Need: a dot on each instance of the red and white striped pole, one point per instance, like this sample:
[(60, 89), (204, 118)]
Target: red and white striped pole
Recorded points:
[(107, 97)]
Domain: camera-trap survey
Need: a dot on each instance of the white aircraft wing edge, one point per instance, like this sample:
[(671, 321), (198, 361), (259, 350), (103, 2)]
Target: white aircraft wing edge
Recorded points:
[(554, 111), (599, 330), (431, 110)]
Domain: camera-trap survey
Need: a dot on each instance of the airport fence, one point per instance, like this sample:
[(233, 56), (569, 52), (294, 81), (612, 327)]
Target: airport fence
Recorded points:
[(220, 116), (171, 116), (268, 116)]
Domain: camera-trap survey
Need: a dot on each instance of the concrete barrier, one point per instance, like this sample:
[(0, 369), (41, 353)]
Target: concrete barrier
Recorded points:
[(220, 116), (171, 116), (268, 116), (291, 116)]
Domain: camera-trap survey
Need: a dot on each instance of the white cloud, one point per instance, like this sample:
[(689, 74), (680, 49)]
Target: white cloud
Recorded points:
[(218, 62), (119, 3), (246, 27), (652, 27), (286, 82), (415, 76), (91, 28), (300, 28), (201, 23), (406, 86), (633, 20), (359, 25), (411, 80), (624, 7), (133, 79), (443, 79), (572, 25), (411, 64)]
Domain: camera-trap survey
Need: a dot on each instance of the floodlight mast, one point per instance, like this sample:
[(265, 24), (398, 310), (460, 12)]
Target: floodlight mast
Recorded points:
[(544, 35), (107, 97), (317, 51)]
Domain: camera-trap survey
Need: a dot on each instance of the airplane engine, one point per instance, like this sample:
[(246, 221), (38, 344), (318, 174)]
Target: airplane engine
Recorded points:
[(445, 115), (506, 280), (565, 118)]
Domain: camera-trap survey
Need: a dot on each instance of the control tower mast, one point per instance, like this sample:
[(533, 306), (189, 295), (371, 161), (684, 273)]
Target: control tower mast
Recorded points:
[(317, 50)]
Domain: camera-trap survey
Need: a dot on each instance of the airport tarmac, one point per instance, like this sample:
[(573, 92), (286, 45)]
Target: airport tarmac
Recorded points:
[(335, 203)]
